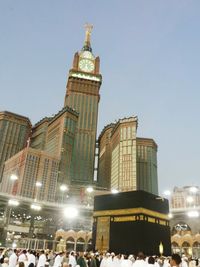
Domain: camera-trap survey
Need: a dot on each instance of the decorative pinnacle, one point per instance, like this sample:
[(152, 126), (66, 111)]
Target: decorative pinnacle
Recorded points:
[(88, 30)]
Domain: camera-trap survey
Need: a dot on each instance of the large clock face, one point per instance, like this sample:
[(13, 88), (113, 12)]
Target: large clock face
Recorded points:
[(86, 65)]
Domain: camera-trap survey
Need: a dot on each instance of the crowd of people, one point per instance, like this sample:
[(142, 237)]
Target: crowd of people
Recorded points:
[(30, 258)]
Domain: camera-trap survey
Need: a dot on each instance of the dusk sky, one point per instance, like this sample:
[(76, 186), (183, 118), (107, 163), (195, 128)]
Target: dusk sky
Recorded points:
[(150, 63)]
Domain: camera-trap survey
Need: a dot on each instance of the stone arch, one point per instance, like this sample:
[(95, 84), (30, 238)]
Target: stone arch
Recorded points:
[(70, 233), (197, 238), (89, 245), (187, 238), (70, 243), (81, 234), (89, 235), (80, 244), (175, 247), (186, 247), (196, 249), (60, 233), (58, 238), (185, 244), (196, 244), (177, 239)]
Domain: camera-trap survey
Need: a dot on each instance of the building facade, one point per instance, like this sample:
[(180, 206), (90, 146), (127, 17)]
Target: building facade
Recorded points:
[(127, 162), (82, 94), (14, 133), (31, 166), (184, 216), (147, 177), (56, 136), (47, 160), (185, 197)]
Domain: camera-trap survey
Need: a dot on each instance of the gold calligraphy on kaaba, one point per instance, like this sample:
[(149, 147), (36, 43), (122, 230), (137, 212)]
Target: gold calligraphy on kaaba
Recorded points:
[(130, 212), (124, 219)]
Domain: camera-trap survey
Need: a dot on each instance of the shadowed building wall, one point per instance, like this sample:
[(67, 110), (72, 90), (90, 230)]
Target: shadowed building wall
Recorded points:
[(147, 179), (56, 136), (104, 164), (14, 132)]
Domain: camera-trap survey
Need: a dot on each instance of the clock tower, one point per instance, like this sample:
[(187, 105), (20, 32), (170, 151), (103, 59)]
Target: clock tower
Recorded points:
[(82, 94)]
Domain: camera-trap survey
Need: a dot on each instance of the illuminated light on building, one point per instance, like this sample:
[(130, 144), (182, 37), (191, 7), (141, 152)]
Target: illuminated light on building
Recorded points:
[(193, 214), (89, 189), (190, 199), (13, 177), (63, 188), (70, 212), (38, 184), (13, 202), (36, 207), (167, 193), (193, 189), (114, 191), (170, 215)]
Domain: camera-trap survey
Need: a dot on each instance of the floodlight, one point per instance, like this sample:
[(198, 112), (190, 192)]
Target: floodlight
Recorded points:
[(70, 212), (13, 202), (63, 187), (193, 214), (36, 207), (13, 177), (114, 191), (90, 189)]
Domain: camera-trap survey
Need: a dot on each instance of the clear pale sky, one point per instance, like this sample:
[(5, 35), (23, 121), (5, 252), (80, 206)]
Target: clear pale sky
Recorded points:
[(150, 63)]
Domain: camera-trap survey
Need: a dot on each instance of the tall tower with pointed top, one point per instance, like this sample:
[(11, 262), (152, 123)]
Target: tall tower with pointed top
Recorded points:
[(82, 94)]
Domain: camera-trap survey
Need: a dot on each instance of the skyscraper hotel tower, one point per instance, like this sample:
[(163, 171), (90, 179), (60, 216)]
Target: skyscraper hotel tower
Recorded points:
[(127, 162), (66, 139), (14, 132), (82, 94)]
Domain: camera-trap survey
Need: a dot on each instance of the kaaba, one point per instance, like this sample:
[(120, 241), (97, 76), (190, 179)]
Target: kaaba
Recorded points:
[(130, 222)]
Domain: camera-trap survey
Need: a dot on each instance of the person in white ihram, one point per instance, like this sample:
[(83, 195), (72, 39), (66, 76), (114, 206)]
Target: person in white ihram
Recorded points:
[(23, 257), (106, 260), (140, 261), (31, 258), (42, 259), (58, 260), (13, 259), (72, 259), (5, 262), (126, 262)]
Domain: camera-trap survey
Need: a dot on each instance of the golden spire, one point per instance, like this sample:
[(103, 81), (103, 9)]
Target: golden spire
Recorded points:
[(88, 30)]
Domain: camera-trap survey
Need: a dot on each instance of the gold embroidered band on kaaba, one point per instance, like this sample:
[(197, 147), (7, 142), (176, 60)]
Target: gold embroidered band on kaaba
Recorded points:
[(131, 211)]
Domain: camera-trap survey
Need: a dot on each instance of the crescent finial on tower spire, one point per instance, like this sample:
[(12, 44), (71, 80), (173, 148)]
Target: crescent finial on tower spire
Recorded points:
[(88, 30)]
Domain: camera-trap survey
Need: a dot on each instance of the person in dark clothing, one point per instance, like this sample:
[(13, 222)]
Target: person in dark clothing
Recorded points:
[(81, 260)]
